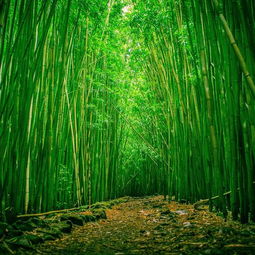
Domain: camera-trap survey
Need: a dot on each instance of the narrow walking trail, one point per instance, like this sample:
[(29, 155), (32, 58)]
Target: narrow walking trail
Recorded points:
[(151, 225)]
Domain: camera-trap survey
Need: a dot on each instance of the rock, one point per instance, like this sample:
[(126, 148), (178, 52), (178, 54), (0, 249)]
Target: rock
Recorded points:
[(165, 212), (118, 201), (24, 226), (34, 239), (109, 204), (64, 227), (84, 207), (99, 214), (50, 221), (101, 205), (75, 219), (187, 224), (38, 222), (47, 237), (113, 202), (54, 232), (88, 218), (181, 212), (123, 199)]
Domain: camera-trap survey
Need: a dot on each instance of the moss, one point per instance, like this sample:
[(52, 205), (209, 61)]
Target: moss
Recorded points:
[(103, 205), (64, 227), (33, 238), (54, 232), (99, 214), (13, 233), (46, 236), (19, 241), (88, 218), (24, 226), (38, 222), (75, 219)]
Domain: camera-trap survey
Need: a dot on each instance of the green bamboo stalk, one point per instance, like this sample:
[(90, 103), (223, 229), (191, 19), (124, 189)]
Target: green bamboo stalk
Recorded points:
[(235, 48)]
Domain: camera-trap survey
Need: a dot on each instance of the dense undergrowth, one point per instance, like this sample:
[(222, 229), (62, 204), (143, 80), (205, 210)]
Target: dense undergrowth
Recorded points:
[(100, 99)]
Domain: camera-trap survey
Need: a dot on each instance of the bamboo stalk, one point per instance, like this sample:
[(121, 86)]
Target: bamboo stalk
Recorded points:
[(235, 48)]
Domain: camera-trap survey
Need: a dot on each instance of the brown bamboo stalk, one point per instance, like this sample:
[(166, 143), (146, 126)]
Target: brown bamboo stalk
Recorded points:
[(206, 201)]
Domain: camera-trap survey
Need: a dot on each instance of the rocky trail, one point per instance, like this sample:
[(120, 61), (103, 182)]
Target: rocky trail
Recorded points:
[(147, 225)]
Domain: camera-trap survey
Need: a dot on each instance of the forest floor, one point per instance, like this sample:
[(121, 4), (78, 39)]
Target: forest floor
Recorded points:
[(151, 225)]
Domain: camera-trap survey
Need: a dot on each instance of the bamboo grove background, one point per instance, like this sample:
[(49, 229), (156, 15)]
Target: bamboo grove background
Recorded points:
[(60, 133), (97, 102)]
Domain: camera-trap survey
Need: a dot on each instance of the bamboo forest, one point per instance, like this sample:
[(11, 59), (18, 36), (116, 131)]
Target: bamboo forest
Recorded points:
[(127, 127)]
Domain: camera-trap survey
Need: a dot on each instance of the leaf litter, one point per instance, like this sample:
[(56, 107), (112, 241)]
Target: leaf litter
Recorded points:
[(151, 225)]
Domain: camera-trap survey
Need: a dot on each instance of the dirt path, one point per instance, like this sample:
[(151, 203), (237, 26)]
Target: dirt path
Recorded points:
[(153, 226)]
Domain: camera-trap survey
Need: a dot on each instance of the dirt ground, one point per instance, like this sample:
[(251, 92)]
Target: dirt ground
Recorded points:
[(153, 226)]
